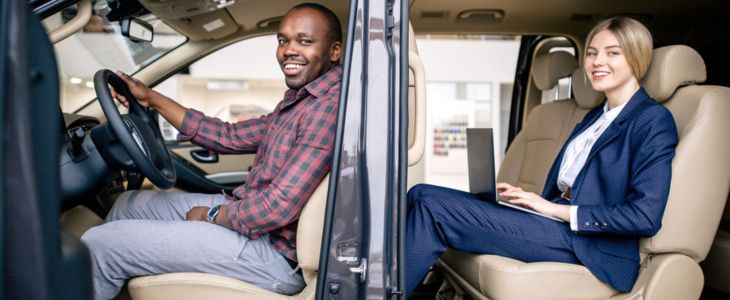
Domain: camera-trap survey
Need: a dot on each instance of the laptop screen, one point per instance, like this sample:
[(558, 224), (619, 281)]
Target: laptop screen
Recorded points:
[(480, 158)]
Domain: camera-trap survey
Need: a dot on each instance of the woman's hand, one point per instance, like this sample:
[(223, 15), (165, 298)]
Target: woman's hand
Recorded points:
[(517, 196)]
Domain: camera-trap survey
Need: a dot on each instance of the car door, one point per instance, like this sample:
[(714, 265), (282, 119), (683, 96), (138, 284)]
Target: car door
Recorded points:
[(38, 261), (363, 231)]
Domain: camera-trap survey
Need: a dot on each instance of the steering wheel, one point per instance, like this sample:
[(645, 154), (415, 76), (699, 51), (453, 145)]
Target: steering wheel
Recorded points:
[(136, 132)]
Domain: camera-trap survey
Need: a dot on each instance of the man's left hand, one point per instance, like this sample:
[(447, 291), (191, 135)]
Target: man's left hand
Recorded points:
[(198, 213)]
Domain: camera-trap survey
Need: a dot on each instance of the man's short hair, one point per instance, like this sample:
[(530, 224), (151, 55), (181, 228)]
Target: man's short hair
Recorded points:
[(335, 29)]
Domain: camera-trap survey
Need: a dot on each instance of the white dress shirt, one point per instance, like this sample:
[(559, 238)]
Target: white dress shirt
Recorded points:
[(577, 152)]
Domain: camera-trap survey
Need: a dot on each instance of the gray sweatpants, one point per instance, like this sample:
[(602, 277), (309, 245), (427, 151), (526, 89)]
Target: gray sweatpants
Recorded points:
[(146, 234)]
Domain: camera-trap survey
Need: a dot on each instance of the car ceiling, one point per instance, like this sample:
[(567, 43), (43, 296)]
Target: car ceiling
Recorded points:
[(670, 20), (698, 23)]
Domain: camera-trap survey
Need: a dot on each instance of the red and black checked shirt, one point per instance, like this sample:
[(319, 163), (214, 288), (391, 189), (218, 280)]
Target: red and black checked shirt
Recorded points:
[(293, 147)]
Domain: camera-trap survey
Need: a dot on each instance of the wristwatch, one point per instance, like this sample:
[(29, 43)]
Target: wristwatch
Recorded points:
[(212, 212)]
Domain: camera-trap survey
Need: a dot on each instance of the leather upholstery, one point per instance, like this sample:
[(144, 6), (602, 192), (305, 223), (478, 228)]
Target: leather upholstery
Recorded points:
[(677, 65), (512, 279), (549, 68), (700, 184), (533, 150), (180, 286), (583, 92)]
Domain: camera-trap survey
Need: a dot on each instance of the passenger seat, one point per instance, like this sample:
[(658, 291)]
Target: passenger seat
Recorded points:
[(699, 189)]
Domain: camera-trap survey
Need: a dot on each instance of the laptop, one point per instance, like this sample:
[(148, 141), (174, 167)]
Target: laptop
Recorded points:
[(480, 157)]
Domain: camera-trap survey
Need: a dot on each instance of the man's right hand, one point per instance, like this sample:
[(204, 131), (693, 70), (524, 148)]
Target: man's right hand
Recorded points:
[(141, 92), (147, 97)]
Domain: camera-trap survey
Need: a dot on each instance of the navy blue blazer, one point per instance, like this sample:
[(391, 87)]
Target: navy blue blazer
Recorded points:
[(622, 190)]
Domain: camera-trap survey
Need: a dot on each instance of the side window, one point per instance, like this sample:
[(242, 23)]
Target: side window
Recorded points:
[(471, 89), (235, 83)]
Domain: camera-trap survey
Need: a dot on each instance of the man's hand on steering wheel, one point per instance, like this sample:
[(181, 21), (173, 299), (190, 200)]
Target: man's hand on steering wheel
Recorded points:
[(139, 90), (136, 131)]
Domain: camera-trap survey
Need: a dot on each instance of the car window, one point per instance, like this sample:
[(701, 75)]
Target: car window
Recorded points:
[(100, 45), (235, 83), (471, 89)]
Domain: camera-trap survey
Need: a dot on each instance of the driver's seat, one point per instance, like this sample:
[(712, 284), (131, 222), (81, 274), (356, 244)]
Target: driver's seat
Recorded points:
[(180, 286)]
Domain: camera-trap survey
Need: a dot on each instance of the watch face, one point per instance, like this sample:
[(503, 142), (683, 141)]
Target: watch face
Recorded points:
[(212, 213)]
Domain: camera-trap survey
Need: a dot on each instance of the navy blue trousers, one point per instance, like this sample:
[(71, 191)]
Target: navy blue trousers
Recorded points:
[(441, 218)]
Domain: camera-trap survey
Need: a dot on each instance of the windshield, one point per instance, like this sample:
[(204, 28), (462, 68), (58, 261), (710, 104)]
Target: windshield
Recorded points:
[(100, 45)]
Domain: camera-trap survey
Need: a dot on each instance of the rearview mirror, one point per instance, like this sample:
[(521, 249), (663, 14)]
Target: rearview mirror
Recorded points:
[(137, 30)]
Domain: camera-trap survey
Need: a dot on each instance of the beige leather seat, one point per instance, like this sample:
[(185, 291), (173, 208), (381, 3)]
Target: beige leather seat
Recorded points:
[(548, 126), (700, 183), (178, 286)]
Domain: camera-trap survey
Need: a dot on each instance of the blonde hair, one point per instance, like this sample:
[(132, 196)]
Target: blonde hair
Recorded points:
[(633, 37)]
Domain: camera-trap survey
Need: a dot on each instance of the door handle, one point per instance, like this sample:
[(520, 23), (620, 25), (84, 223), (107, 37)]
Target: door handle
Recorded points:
[(204, 156)]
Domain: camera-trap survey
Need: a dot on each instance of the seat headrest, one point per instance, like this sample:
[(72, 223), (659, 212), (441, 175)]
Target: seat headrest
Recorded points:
[(672, 67), (583, 92), (548, 68)]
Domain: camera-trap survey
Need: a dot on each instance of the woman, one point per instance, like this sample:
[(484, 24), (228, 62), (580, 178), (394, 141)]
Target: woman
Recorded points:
[(609, 182)]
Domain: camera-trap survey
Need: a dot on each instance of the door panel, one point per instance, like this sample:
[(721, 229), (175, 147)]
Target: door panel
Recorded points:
[(228, 170)]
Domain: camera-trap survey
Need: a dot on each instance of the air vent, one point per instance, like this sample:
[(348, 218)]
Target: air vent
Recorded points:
[(481, 15), (434, 14)]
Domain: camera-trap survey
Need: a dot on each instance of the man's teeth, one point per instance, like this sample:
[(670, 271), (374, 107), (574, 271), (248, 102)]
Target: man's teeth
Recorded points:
[(292, 66)]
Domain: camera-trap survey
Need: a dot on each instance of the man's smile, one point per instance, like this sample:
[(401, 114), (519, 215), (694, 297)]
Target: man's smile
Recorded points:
[(293, 68)]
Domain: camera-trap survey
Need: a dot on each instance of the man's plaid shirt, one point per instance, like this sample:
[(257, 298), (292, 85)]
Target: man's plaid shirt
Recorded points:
[(293, 147)]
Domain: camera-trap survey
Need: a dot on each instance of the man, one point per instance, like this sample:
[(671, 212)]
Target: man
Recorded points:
[(251, 235)]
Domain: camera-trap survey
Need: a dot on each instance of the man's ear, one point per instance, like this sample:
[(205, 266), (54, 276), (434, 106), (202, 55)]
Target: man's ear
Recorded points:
[(336, 52)]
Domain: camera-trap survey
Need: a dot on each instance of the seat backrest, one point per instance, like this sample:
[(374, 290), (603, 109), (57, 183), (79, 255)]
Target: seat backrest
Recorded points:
[(549, 125), (309, 231), (701, 166)]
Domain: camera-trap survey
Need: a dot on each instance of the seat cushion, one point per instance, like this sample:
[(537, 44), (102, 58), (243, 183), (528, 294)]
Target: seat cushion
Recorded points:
[(499, 277), (178, 286)]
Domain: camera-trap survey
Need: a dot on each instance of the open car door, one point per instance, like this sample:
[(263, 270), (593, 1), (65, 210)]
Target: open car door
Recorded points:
[(38, 261), (362, 250)]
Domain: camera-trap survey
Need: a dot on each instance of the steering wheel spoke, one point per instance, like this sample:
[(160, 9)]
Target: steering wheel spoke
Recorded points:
[(136, 132)]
